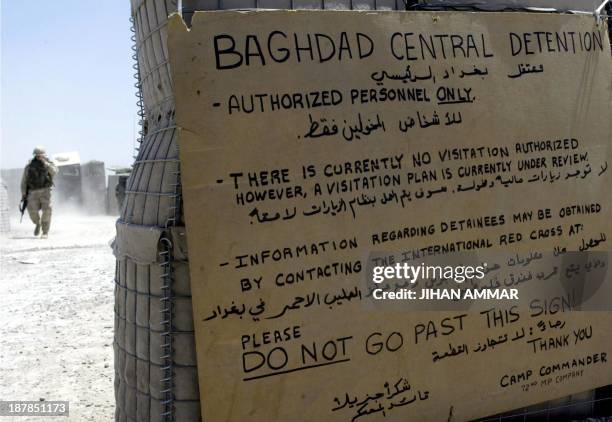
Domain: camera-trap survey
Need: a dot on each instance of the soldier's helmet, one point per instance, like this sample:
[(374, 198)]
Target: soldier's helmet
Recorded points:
[(39, 150)]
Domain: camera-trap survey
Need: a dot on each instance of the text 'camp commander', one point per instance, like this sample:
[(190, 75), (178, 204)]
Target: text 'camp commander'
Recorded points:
[(36, 186)]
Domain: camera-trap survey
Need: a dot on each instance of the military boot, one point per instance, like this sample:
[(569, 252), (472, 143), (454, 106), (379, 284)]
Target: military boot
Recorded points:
[(45, 227), (37, 230)]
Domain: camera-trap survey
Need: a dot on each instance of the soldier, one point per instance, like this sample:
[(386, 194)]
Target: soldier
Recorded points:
[(120, 191), (36, 189)]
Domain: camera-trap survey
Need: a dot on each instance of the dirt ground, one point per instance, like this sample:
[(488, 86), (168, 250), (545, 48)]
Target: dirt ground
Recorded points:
[(57, 316)]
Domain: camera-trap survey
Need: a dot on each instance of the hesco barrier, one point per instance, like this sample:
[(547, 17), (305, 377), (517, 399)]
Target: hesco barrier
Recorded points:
[(155, 365), (155, 362)]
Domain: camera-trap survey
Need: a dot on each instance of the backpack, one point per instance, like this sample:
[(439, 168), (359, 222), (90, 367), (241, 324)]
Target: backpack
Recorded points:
[(38, 176)]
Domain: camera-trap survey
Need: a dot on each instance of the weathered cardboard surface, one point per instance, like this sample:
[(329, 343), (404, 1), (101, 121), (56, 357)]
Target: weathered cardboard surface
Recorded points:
[(569, 99)]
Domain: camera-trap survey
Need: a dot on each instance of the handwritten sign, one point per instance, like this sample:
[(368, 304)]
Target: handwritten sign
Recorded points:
[(310, 140)]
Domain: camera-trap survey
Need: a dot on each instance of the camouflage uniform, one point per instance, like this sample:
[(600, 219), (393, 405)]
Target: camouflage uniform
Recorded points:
[(36, 182)]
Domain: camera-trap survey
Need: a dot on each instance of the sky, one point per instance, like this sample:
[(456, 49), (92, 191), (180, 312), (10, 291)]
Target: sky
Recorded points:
[(67, 80)]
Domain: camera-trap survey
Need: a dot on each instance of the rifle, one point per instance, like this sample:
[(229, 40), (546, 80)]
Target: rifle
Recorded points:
[(23, 205)]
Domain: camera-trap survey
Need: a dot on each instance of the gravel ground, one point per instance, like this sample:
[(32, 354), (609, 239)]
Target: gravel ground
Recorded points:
[(57, 316)]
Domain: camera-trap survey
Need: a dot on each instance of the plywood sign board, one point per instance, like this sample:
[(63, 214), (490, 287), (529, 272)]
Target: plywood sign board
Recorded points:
[(312, 139)]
